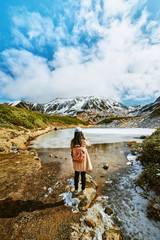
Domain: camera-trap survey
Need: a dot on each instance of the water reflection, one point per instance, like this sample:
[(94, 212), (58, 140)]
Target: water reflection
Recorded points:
[(113, 154)]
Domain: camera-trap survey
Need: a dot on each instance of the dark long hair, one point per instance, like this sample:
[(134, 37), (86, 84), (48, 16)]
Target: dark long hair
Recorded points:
[(77, 138)]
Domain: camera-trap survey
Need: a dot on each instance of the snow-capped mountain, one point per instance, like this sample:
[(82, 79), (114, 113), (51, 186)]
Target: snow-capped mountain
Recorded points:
[(77, 105), (90, 108)]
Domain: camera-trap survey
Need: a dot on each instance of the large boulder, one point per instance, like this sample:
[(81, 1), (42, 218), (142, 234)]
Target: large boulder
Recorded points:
[(90, 183), (86, 199)]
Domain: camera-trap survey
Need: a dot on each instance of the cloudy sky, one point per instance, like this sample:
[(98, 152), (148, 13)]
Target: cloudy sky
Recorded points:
[(66, 48)]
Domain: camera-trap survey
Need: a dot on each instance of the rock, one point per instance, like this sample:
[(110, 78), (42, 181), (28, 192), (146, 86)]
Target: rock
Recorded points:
[(129, 144), (67, 189), (55, 129), (56, 156), (106, 166), (90, 222), (108, 211), (90, 183), (142, 137), (90, 194), (36, 158), (86, 200), (51, 155), (114, 233)]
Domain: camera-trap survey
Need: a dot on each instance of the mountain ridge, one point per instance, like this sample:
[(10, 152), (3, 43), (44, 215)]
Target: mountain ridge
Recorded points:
[(93, 109)]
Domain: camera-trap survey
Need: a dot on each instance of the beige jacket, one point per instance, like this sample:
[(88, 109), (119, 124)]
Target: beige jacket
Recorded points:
[(86, 165)]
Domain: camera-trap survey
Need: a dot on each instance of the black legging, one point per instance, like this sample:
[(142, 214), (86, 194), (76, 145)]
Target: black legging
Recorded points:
[(83, 179)]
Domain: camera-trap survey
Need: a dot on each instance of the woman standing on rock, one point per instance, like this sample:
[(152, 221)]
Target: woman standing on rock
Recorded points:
[(80, 157)]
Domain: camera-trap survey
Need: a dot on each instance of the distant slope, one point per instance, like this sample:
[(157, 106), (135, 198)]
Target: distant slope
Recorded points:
[(149, 107), (27, 105), (13, 117), (152, 120)]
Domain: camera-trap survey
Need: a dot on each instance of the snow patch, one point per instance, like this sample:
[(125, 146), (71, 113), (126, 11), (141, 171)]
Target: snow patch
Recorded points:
[(70, 201), (109, 182)]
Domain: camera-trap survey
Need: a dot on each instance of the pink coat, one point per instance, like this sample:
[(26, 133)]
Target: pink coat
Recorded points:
[(86, 165)]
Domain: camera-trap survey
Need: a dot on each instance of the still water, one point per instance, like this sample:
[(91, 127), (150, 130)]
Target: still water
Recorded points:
[(117, 183), (62, 138)]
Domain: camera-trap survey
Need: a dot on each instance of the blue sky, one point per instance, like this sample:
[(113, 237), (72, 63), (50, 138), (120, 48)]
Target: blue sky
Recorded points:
[(69, 48)]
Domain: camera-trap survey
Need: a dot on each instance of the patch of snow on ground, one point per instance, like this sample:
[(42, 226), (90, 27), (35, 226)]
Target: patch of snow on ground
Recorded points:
[(131, 159), (68, 197), (108, 181), (50, 190), (70, 201)]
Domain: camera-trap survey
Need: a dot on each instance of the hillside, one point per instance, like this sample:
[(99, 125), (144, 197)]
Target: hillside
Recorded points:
[(12, 117), (150, 120), (149, 107)]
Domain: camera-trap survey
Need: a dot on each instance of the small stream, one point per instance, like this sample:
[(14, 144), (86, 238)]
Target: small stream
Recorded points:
[(117, 183)]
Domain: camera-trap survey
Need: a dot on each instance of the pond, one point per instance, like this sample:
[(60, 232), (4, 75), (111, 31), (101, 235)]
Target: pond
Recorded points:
[(109, 146), (62, 138)]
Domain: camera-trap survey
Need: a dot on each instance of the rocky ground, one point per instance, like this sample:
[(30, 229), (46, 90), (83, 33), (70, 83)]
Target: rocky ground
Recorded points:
[(31, 204)]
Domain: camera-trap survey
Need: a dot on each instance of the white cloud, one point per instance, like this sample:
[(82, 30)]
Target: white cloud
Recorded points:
[(32, 28), (19, 38), (67, 56), (122, 64)]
